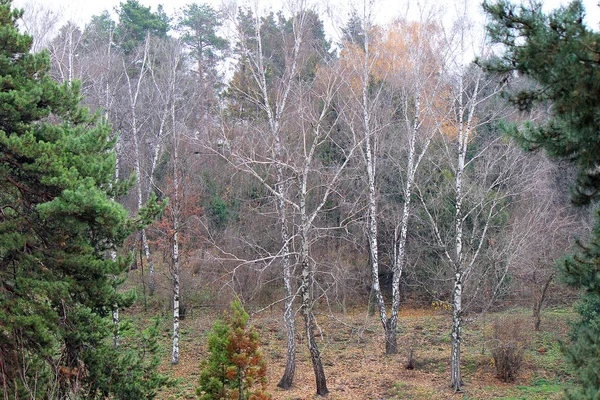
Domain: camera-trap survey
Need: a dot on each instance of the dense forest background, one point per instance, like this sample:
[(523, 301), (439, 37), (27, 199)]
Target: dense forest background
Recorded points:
[(290, 171)]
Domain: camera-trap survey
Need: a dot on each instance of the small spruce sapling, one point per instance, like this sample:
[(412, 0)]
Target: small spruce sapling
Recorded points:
[(235, 368)]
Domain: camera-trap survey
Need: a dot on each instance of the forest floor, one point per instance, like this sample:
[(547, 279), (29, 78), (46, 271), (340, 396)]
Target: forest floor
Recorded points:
[(356, 367)]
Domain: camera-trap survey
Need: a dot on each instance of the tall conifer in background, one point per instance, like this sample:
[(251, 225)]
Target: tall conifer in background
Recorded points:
[(57, 224), (561, 54)]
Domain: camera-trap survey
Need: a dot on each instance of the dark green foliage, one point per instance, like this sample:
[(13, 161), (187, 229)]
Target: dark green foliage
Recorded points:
[(235, 368), (213, 378), (136, 21), (277, 34), (221, 208), (353, 33), (57, 226), (583, 271), (560, 54), (199, 25), (218, 211), (130, 371), (99, 31)]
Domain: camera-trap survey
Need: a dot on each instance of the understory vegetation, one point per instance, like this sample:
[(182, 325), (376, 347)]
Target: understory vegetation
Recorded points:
[(350, 345), (249, 203)]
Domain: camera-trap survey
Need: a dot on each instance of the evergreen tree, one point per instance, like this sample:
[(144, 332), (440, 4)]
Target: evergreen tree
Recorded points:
[(98, 32), (235, 368), (57, 224), (353, 31), (137, 21), (560, 54), (199, 25)]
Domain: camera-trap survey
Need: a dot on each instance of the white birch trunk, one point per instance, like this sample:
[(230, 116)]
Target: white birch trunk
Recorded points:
[(133, 98), (70, 55), (175, 353), (464, 131), (455, 373), (115, 313), (401, 234), (274, 116), (113, 254), (391, 345), (288, 314), (274, 101), (176, 207), (463, 138), (308, 295)]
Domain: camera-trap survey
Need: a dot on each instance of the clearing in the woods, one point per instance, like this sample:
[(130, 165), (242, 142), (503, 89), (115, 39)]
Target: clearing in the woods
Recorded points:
[(357, 368)]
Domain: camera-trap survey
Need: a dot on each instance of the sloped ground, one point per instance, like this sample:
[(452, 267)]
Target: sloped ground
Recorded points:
[(356, 368)]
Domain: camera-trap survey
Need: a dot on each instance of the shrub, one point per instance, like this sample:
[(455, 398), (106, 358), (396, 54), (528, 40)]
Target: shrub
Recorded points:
[(508, 348), (235, 368)]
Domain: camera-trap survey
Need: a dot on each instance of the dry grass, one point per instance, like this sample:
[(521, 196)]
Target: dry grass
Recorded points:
[(356, 368)]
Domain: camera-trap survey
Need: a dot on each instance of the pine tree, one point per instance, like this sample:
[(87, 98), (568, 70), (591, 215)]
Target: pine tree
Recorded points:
[(235, 368), (136, 22), (560, 54), (57, 225)]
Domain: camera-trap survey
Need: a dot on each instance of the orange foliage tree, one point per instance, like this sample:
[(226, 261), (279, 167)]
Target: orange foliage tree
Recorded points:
[(235, 368)]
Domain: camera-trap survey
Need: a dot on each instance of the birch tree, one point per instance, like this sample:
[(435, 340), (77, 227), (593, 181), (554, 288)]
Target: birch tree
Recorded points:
[(134, 79), (405, 64), (41, 21), (168, 86), (271, 98), (294, 131), (471, 197), (64, 50)]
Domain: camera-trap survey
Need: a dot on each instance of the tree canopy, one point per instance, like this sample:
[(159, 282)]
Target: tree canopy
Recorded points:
[(58, 223), (560, 54), (137, 21)]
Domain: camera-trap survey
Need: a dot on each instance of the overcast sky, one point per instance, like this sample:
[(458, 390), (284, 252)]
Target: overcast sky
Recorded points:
[(81, 11)]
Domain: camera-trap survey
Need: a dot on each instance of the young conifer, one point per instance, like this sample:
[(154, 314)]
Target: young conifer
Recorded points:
[(235, 368)]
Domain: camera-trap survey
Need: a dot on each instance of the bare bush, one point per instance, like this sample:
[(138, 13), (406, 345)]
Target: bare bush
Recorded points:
[(508, 349)]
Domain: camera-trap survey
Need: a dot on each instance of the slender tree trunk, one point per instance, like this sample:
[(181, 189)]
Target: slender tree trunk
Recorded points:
[(202, 99), (140, 201), (539, 302), (400, 235), (133, 97), (115, 313), (175, 352), (176, 266), (307, 294), (389, 326), (391, 342), (463, 137), (309, 323), (116, 327), (455, 374), (391, 346), (288, 315)]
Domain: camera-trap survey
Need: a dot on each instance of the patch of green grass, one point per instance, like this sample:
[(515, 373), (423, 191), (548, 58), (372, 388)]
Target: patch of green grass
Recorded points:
[(547, 355), (540, 388), (402, 390)]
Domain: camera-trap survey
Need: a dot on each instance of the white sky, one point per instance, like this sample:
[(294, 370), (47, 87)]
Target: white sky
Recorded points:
[(334, 12)]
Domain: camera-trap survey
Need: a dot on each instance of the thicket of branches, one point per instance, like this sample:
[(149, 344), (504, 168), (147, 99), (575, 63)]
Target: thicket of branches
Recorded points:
[(320, 173)]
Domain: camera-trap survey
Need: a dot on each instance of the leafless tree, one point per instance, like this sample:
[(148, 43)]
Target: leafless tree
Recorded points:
[(41, 22), (405, 60)]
